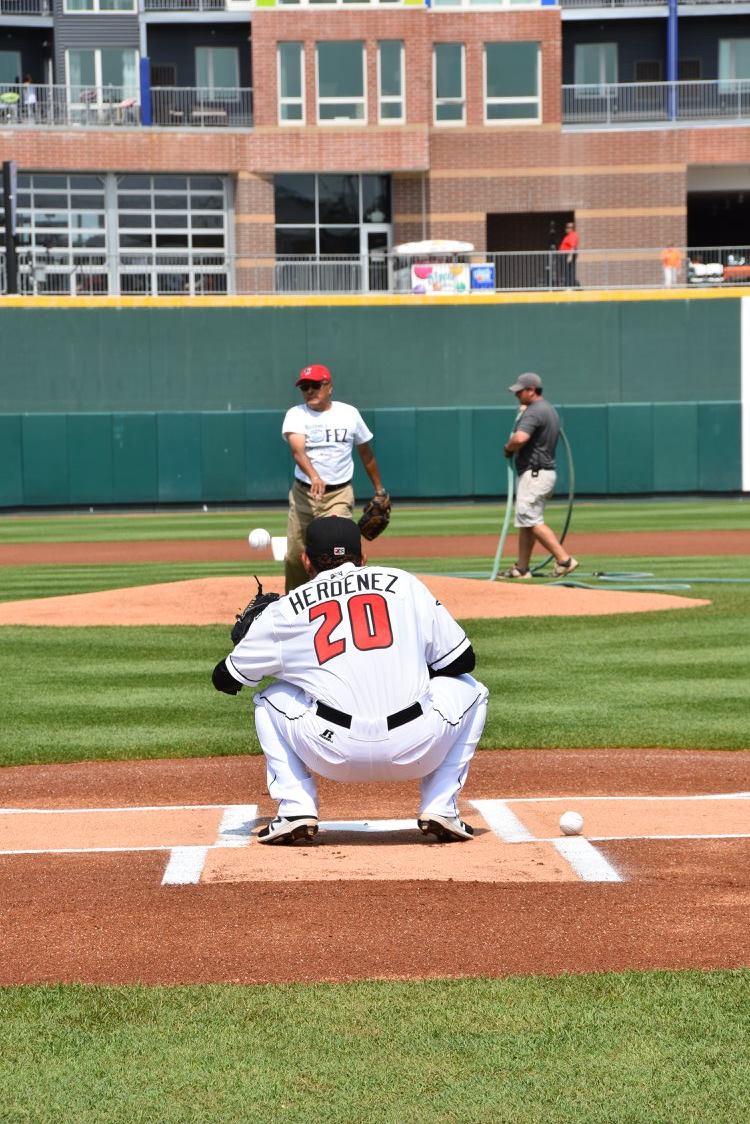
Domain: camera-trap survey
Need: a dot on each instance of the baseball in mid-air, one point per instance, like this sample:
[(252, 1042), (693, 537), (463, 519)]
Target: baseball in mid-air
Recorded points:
[(259, 538), (571, 823)]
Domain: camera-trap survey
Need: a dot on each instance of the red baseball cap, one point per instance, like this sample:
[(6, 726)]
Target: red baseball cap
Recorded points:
[(316, 372)]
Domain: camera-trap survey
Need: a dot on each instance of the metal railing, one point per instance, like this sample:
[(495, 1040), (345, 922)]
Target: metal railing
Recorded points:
[(99, 107), (25, 7), (60, 272), (626, 103), (72, 272), (195, 107), (187, 5), (89, 106), (639, 3)]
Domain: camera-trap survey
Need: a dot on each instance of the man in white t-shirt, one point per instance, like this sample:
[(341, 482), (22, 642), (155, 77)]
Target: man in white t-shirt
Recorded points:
[(322, 434), (373, 684)]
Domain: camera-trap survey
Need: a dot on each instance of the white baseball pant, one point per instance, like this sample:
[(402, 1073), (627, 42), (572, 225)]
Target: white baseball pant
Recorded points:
[(435, 748)]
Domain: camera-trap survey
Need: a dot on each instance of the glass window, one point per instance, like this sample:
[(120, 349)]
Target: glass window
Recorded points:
[(69, 236), (511, 82), (595, 63), (291, 84), (217, 69), (295, 240), (100, 6), (324, 215), (450, 98), (295, 198), (102, 74), (10, 68), (338, 199), (339, 240), (341, 81), (376, 199), (734, 58), (391, 80)]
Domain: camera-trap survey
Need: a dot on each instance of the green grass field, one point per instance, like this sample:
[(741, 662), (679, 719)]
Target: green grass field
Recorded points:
[(466, 519), (659, 1048), (614, 1049)]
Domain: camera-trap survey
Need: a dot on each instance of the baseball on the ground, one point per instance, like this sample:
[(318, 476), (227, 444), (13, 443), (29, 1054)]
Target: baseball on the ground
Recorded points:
[(571, 823), (259, 538)]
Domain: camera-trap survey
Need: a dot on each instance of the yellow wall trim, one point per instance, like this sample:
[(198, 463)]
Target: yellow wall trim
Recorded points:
[(377, 301)]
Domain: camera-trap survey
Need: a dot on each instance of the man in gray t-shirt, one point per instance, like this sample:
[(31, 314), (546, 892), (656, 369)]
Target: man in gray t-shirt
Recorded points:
[(533, 444)]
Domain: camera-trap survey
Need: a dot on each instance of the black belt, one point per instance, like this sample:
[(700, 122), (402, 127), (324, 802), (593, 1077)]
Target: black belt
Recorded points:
[(400, 718), (328, 487)]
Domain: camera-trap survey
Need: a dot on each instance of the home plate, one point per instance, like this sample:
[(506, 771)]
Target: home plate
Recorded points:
[(389, 850)]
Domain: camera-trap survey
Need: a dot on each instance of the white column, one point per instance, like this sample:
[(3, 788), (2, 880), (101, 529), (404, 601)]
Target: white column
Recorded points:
[(745, 391)]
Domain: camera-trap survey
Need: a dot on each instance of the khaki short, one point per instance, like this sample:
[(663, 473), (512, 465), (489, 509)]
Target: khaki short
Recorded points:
[(531, 496)]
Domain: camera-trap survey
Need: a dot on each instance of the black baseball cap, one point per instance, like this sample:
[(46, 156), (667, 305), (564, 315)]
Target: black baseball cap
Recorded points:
[(333, 535), (526, 381)]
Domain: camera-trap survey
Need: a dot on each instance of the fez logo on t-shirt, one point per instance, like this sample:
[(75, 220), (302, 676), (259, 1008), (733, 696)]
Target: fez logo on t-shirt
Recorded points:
[(318, 434)]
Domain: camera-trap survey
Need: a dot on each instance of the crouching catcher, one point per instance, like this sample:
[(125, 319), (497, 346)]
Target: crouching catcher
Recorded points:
[(373, 683)]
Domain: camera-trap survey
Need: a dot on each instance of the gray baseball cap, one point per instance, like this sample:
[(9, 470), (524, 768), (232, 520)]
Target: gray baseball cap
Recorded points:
[(527, 381)]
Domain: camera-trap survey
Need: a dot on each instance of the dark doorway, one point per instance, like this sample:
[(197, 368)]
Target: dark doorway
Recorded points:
[(528, 237), (536, 230), (718, 218)]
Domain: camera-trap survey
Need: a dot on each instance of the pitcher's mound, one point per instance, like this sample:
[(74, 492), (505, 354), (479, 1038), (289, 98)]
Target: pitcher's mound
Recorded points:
[(216, 600)]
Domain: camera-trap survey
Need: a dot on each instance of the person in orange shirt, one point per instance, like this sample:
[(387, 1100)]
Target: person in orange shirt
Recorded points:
[(569, 247), (671, 260)]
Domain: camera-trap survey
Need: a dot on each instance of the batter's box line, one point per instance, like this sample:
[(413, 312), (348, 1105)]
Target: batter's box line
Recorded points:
[(185, 866), (589, 864)]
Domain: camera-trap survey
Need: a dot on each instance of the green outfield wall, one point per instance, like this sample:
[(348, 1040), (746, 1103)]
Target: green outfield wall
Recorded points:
[(179, 401), (190, 457), (72, 359)]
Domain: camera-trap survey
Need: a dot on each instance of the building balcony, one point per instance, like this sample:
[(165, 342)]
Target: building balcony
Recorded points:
[(26, 8), (188, 107), (567, 5), (668, 104), (104, 107), (186, 6)]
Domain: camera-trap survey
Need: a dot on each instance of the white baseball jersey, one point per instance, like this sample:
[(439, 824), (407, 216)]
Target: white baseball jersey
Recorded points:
[(357, 638), (330, 436)]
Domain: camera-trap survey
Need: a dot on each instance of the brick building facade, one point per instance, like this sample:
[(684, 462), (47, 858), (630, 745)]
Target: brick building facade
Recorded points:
[(503, 183)]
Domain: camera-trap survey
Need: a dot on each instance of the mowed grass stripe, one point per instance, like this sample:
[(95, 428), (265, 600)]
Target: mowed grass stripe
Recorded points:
[(599, 1049), (678, 678), (24, 582), (470, 518)]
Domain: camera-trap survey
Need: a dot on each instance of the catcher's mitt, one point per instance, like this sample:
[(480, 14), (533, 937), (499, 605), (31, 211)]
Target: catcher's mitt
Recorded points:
[(375, 516), (243, 620)]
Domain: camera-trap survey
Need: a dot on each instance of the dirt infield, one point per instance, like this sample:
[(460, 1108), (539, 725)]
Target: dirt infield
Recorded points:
[(216, 600), (337, 911), (626, 544)]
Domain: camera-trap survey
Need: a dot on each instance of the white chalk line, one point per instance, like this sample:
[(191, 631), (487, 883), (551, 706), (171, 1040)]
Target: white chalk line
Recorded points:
[(581, 799), (583, 858), (129, 808), (343, 826), (185, 865), (588, 863), (186, 862), (503, 821)]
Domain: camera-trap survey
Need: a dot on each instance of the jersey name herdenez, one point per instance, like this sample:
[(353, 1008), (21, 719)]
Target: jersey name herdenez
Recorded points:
[(360, 639)]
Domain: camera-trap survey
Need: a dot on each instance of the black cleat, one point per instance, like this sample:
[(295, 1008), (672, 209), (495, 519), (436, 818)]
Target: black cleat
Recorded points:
[(289, 829), (447, 830)]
